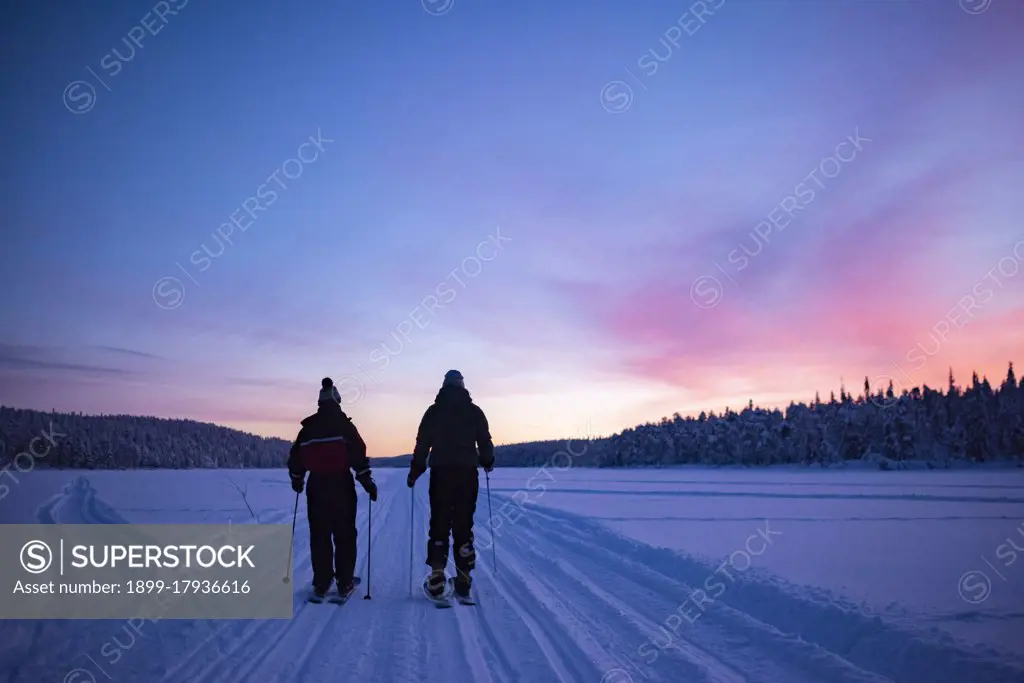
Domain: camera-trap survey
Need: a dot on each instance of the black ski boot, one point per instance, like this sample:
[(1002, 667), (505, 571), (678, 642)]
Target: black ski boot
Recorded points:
[(319, 594), (462, 584), (435, 583)]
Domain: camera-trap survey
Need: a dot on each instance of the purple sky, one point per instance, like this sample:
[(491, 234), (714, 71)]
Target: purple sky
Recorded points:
[(798, 193)]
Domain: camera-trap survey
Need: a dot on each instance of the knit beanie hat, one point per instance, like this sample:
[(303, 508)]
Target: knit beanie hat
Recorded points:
[(453, 378), (328, 392)]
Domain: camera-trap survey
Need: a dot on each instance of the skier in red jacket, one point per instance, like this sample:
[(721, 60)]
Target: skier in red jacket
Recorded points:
[(329, 448)]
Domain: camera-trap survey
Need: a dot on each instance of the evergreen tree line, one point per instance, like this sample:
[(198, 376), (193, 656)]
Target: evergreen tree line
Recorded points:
[(77, 441), (977, 424), (935, 427)]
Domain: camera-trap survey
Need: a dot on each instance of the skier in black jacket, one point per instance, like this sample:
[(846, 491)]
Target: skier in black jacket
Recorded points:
[(451, 431), (328, 447)]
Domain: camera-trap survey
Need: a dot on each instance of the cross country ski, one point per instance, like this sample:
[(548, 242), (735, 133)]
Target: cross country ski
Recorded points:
[(341, 599), (466, 600), (333, 597)]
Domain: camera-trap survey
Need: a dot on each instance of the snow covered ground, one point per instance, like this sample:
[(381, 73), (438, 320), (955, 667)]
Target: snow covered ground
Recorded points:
[(611, 576), (901, 542)]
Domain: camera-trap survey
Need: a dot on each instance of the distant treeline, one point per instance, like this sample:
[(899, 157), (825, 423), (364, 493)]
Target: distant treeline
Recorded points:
[(936, 427), (74, 440)]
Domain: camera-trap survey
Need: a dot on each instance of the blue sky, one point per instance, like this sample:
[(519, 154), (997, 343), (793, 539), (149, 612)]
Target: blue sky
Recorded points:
[(441, 132)]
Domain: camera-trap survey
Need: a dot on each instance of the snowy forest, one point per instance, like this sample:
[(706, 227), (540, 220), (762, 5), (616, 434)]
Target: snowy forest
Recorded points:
[(77, 441), (929, 427), (932, 427)]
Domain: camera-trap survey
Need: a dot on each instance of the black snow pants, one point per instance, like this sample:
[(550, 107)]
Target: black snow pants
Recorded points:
[(331, 509), (453, 493)]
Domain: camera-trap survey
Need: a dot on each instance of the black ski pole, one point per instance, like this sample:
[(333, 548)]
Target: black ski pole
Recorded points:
[(288, 571), (369, 546), (490, 522), (412, 525)]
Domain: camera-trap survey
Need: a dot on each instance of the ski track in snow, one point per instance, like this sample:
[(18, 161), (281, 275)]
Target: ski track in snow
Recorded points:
[(677, 493), (569, 600)]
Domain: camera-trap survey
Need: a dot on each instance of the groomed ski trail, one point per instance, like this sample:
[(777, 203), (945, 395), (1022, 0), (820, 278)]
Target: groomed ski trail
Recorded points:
[(570, 602)]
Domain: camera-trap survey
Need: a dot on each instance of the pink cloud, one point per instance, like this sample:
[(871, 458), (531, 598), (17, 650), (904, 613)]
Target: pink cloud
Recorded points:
[(859, 289)]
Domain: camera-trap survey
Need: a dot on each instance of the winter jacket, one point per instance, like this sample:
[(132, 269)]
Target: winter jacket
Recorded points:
[(451, 431), (328, 446)]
